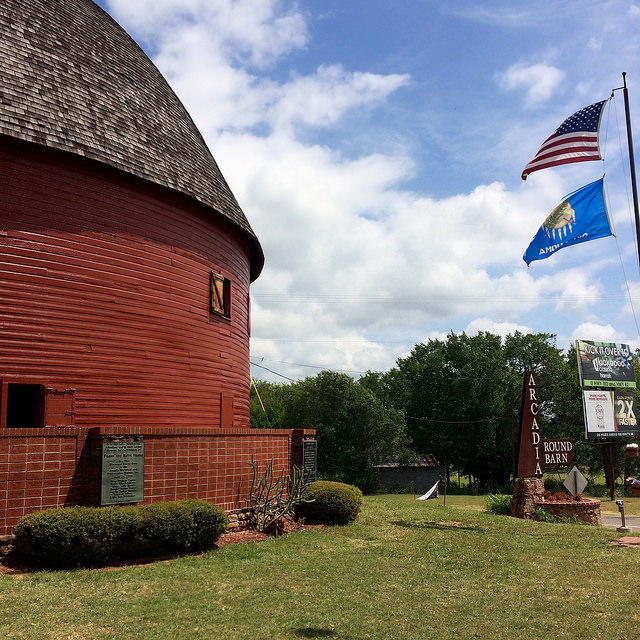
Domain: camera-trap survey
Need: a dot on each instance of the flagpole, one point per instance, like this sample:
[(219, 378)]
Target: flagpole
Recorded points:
[(632, 163)]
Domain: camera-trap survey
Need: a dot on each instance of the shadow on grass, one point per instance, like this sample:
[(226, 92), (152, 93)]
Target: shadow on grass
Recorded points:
[(432, 524), (315, 632)]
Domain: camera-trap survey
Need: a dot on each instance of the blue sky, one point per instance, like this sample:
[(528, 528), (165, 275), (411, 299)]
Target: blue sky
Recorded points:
[(376, 149)]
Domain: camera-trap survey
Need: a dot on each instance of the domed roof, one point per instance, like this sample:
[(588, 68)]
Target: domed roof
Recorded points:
[(73, 79)]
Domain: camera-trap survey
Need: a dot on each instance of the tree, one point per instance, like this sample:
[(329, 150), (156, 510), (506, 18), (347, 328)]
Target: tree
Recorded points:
[(354, 429), (462, 396), (267, 404), (457, 398)]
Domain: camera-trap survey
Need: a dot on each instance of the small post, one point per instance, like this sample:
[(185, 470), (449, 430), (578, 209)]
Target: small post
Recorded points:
[(608, 451), (444, 499), (623, 528)]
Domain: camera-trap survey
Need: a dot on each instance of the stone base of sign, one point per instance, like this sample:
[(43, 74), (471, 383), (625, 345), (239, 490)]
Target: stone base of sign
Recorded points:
[(527, 493), (587, 510)]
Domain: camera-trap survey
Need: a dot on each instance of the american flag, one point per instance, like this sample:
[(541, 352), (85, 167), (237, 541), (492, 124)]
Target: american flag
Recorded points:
[(575, 140)]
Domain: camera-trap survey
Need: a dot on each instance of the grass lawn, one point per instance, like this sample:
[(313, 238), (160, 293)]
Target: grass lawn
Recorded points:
[(405, 570)]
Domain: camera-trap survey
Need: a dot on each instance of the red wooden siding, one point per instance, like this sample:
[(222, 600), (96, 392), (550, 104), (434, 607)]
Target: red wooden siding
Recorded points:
[(104, 289)]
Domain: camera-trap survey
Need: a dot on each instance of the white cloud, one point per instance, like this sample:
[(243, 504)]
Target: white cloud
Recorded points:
[(631, 298), (538, 81), (214, 55), (349, 255), (323, 98), (502, 329), (598, 332), (574, 290), (358, 268), (256, 32)]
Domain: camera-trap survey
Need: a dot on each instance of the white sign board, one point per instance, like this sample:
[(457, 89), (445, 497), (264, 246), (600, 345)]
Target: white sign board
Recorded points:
[(609, 414)]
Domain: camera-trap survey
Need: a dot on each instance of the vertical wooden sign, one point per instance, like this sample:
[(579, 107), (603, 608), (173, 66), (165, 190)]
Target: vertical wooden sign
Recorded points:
[(529, 454)]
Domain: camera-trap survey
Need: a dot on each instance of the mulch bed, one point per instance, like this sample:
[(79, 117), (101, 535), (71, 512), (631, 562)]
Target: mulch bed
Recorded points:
[(235, 537), (10, 566)]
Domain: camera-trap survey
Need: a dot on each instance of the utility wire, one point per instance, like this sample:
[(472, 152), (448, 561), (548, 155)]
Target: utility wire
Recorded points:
[(362, 299), (448, 421), (275, 373), (312, 366)]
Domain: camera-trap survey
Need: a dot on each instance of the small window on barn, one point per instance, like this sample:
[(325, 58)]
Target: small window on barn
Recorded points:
[(220, 295), (25, 405)]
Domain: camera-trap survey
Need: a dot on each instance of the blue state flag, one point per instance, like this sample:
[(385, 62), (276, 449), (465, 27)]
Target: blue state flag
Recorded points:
[(581, 216)]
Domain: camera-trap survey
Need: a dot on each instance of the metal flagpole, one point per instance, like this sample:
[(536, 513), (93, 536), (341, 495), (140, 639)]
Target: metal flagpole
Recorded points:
[(632, 163), (608, 447)]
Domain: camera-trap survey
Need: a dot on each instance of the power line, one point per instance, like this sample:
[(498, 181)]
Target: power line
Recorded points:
[(310, 366), (337, 340), (363, 299), (275, 373), (447, 421)]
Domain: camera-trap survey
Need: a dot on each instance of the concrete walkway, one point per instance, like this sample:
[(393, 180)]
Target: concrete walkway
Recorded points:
[(613, 522)]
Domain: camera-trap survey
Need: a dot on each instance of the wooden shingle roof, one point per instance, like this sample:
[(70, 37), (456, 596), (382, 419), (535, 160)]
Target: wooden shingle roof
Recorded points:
[(72, 79)]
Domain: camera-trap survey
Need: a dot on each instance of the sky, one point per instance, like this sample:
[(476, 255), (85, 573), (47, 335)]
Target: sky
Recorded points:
[(376, 149)]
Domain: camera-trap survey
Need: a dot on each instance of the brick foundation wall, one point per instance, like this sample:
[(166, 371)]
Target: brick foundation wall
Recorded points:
[(587, 510), (55, 467)]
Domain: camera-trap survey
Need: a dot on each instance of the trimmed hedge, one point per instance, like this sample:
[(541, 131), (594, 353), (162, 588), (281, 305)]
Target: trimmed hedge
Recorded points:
[(333, 502), (85, 536)]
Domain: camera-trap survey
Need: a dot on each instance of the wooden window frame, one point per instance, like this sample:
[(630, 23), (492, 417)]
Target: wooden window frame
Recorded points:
[(220, 295)]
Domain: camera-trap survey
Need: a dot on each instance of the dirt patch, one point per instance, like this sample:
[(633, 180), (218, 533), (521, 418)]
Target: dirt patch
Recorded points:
[(628, 541)]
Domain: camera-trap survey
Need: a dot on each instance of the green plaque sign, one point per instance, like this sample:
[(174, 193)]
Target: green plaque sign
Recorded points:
[(122, 472), (309, 460)]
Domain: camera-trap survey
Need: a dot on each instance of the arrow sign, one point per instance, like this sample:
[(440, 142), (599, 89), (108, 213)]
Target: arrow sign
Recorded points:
[(575, 482)]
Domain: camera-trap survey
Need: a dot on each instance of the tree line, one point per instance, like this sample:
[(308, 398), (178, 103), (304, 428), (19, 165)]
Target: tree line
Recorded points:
[(458, 399)]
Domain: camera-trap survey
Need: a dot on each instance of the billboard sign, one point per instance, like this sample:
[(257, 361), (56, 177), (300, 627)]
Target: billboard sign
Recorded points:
[(605, 364), (609, 414)]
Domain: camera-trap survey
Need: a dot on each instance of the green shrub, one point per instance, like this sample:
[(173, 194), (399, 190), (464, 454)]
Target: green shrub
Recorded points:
[(499, 504), (83, 536), (332, 502), (542, 515)]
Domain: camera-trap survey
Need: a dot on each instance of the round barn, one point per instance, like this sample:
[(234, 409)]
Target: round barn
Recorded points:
[(125, 265)]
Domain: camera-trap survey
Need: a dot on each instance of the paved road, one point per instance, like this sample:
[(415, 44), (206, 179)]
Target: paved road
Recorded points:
[(613, 522)]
